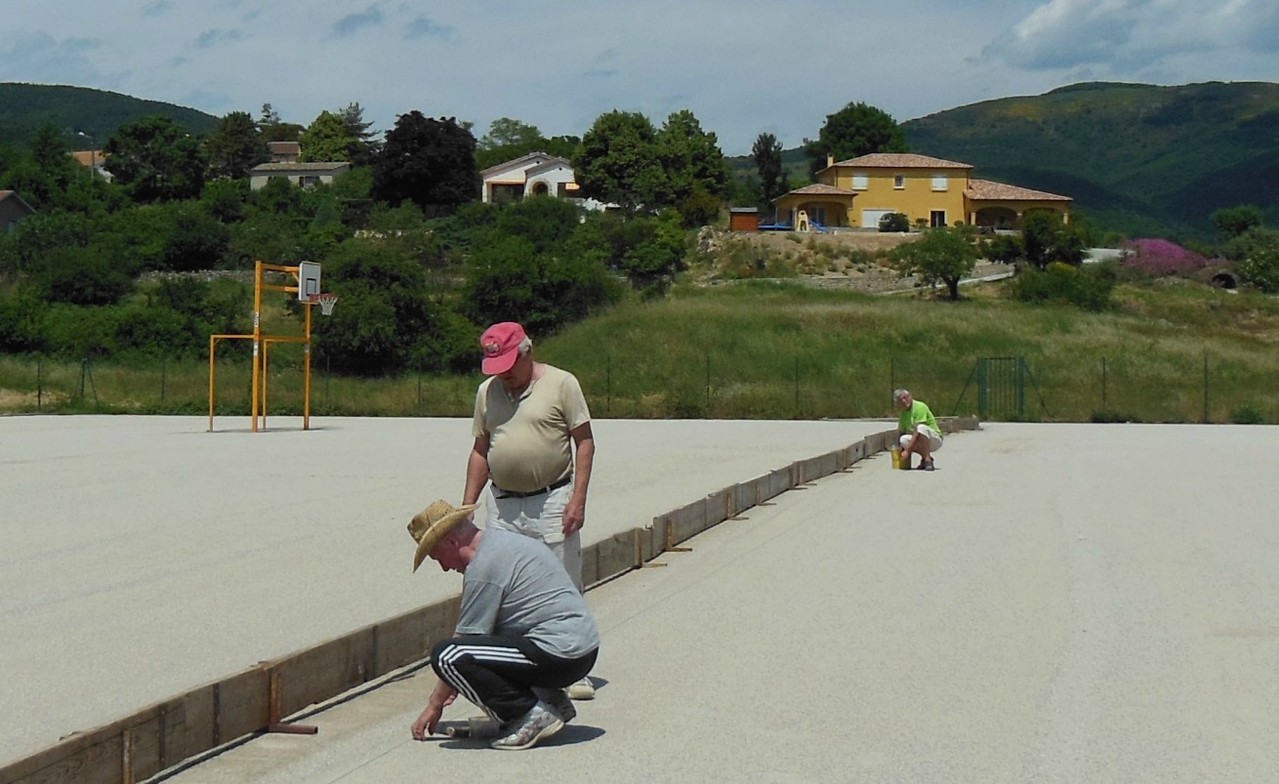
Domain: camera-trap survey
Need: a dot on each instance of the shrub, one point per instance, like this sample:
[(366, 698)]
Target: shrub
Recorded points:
[(894, 221), (1084, 287), (1246, 415), (1158, 258)]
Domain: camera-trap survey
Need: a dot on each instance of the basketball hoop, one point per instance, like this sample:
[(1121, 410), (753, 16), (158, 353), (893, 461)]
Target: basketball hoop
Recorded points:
[(326, 302)]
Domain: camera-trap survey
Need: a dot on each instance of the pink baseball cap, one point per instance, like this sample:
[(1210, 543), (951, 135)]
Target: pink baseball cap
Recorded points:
[(501, 344)]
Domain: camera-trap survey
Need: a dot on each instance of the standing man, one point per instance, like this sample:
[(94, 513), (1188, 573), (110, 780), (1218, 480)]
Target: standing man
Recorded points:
[(523, 630), (533, 448), (920, 434)]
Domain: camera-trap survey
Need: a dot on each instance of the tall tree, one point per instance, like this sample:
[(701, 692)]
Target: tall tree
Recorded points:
[(364, 143), (857, 129), (155, 159), (619, 161), (691, 159), (767, 154), (327, 138), (428, 162), (276, 130), (234, 147)]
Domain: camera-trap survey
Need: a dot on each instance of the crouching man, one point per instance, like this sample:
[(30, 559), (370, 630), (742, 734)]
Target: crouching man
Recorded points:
[(524, 632), (918, 429)]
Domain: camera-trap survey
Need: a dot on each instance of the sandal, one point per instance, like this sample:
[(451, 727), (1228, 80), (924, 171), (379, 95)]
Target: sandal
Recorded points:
[(928, 465)]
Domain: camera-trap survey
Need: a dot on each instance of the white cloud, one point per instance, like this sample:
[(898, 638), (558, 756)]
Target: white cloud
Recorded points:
[(742, 66)]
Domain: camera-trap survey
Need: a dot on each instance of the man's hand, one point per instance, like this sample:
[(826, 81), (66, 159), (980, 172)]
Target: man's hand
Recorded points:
[(574, 515), (441, 697), (426, 723)]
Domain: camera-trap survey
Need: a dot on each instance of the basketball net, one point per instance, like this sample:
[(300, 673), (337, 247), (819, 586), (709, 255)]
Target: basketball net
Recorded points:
[(326, 302)]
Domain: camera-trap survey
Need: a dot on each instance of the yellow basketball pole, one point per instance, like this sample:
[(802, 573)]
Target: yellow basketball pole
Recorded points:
[(212, 384), (306, 373), (257, 340)]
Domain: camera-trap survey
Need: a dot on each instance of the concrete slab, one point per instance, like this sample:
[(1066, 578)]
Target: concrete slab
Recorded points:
[(1056, 603), (142, 556)]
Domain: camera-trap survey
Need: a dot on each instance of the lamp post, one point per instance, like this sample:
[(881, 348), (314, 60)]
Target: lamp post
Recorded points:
[(93, 153)]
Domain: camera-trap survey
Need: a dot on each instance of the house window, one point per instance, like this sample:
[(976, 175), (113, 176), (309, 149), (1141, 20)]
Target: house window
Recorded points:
[(861, 181), (308, 180), (899, 181), (937, 218), (939, 182)]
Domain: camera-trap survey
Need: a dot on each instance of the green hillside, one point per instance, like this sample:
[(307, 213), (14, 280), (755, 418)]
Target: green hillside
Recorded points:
[(1137, 158), (26, 107)]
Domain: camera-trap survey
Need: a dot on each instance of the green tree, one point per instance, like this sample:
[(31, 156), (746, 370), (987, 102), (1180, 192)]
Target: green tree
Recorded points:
[(428, 162), (619, 161), (1046, 239), (767, 154), (691, 160), (942, 255), (1259, 262), (364, 143), (234, 147), (506, 140), (155, 159), (327, 138), (857, 129), (386, 315), (1230, 222), (44, 174), (273, 129)]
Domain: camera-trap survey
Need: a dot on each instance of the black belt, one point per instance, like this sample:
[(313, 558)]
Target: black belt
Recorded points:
[(500, 493)]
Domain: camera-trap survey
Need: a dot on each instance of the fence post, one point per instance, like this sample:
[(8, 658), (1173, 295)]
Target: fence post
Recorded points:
[(796, 386), (1206, 415), (708, 385), (39, 384), (164, 373), (1103, 383)]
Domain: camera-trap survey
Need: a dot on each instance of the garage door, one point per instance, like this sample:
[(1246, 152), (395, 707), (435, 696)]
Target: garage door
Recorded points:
[(870, 218)]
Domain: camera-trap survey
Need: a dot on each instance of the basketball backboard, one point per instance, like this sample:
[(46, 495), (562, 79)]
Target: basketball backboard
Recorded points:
[(308, 280)]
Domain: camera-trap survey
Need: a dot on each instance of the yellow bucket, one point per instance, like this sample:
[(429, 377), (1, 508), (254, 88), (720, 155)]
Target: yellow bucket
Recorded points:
[(897, 458)]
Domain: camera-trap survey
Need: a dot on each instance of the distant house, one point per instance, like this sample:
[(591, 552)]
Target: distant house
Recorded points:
[(13, 210), (929, 191), (535, 174), (93, 160), (304, 175), (284, 152)]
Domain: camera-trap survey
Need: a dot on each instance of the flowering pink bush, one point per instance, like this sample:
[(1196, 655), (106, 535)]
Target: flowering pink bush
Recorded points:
[(1160, 258)]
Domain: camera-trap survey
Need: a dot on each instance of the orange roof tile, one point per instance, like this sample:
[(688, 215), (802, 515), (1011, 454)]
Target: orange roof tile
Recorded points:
[(902, 160), (987, 190)]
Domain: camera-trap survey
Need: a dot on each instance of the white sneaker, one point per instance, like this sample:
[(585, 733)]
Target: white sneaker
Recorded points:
[(538, 724), (558, 702), (582, 690)]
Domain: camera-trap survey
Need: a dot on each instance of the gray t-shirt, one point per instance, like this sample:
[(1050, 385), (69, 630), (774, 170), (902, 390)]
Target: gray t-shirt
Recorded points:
[(515, 586)]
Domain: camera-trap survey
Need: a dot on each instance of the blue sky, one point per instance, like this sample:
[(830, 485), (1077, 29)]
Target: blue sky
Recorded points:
[(743, 67)]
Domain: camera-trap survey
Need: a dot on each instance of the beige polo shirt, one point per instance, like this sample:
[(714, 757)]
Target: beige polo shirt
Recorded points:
[(529, 442)]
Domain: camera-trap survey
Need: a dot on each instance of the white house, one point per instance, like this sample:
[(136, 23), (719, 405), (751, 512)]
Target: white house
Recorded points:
[(304, 175), (535, 174)]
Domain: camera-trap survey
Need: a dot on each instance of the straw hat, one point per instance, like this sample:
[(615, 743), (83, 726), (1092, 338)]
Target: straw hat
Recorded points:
[(431, 525)]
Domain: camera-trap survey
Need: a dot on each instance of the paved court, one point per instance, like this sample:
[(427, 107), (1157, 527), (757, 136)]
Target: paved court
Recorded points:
[(143, 556), (1057, 603)]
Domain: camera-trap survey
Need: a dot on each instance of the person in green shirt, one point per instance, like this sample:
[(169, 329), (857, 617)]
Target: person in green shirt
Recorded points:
[(919, 432)]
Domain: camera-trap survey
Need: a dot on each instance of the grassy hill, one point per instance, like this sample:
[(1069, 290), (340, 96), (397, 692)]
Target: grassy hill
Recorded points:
[(1137, 158), (26, 107)]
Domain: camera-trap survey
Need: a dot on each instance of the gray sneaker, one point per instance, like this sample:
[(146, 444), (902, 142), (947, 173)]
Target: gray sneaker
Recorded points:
[(558, 702), (538, 724)]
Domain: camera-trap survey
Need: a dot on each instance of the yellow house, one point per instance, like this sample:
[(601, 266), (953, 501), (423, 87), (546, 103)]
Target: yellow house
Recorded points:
[(928, 191)]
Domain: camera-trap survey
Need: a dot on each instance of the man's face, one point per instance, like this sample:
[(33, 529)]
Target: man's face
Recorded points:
[(519, 374), (445, 554), (904, 401)]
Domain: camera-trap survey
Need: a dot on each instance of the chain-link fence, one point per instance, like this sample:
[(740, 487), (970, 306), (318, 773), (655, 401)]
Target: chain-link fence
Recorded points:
[(1124, 388)]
